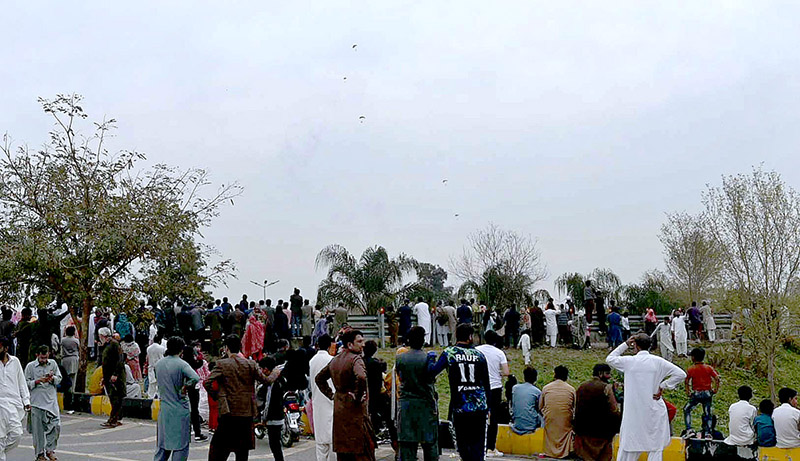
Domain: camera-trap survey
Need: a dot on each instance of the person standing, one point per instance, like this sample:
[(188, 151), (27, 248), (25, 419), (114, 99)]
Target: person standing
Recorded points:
[(497, 365), (442, 325), (236, 379), (702, 383), (176, 377), (680, 334), (597, 416), (155, 352), (645, 423), (588, 301), (525, 345), (469, 390), (198, 326), (352, 431), (464, 313), (15, 399), (708, 321), (511, 318), (296, 308), (650, 321), (614, 327), (391, 324), (24, 334), (191, 355), (525, 416), (557, 405), (70, 350), (43, 376), (537, 324), (423, 312), (308, 319), (452, 321), (7, 326), (322, 405), (550, 315), (663, 333), (380, 406), (695, 321), (404, 319), (113, 364), (339, 318), (418, 420)]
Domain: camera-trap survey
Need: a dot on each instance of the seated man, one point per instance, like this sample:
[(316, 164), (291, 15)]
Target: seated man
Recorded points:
[(132, 389), (741, 416), (764, 426), (787, 419), (525, 404)]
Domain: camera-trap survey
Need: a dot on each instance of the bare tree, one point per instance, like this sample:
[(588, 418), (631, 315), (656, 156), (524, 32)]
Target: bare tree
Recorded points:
[(500, 257), (755, 220), (691, 255)]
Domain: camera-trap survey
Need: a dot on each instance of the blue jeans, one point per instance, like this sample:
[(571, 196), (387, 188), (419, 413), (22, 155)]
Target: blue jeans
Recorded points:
[(297, 325), (178, 455), (703, 398)]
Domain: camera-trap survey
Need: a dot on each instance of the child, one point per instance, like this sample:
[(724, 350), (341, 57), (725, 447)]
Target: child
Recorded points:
[(765, 426), (740, 416), (702, 382), (525, 345), (626, 327)]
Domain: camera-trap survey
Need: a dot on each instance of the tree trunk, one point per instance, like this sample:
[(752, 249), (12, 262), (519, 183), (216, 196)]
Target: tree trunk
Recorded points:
[(80, 384)]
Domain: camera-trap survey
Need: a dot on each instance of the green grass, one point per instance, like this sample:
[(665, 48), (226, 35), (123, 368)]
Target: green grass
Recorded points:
[(580, 365)]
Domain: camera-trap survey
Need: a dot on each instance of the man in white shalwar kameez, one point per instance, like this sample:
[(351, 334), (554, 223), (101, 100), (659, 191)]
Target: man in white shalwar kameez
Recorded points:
[(323, 406), (15, 399), (681, 335), (663, 334), (645, 425)]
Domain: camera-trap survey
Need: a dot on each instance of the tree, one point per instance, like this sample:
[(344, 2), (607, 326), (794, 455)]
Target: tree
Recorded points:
[(755, 220), (82, 225), (691, 255), (606, 283), (499, 265), (652, 292), (364, 284), (430, 283)]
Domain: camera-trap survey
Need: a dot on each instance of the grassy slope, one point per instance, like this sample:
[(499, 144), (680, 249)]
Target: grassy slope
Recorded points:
[(580, 364)]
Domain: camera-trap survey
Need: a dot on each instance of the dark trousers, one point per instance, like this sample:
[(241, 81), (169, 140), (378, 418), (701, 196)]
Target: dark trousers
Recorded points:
[(380, 413), (470, 435), (408, 451), (274, 436), (216, 453), (512, 338), (495, 399), (116, 392), (194, 404)]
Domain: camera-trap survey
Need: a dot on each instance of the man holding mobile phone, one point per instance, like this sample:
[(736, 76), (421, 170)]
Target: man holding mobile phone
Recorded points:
[(42, 376)]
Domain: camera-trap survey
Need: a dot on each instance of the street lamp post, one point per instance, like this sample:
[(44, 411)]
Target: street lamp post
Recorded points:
[(264, 286)]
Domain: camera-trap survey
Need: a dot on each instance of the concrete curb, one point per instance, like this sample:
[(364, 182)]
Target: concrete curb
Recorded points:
[(532, 444)]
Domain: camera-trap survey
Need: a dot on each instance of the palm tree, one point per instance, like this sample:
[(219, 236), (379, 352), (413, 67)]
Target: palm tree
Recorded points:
[(364, 284)]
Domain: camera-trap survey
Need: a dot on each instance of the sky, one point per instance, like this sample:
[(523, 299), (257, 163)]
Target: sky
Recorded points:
[(578, 123)]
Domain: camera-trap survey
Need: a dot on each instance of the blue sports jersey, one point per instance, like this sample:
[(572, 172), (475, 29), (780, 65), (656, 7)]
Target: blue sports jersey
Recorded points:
[(468, 375)]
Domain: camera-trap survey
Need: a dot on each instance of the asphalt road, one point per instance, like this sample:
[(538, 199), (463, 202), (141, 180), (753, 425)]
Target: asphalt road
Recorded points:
[(82, 439)]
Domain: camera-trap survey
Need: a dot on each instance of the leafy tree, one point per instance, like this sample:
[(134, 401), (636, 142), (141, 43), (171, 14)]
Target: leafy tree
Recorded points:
[(691, 255), (431, 283), (755, 221), (364, 284), (652, 292), (500, 266), (605, 282), (84, 226)]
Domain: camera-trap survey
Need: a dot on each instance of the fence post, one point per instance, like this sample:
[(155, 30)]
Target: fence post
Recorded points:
[(381, 326)]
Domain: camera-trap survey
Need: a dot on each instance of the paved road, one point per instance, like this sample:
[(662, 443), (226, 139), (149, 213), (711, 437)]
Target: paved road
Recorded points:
[(82, 439)]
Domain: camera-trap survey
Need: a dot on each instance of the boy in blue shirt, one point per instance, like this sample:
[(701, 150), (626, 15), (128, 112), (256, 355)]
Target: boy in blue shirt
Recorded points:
[(764, 425)]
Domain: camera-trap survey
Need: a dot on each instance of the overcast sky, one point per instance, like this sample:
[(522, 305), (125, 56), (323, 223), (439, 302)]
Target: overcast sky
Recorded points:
[(580, 123)]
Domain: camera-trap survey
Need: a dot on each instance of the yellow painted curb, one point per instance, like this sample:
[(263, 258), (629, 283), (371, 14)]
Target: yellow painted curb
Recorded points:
[(306, 424), (532, 444), (778, 454), (154, 408)]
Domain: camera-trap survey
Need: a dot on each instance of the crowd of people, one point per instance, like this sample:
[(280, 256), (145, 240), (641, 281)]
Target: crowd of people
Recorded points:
[(228, 366)]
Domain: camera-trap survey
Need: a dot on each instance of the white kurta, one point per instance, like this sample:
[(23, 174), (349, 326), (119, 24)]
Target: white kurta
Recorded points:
[(423, 312), (645, 425), (679, 328), (14, 396), (552, 325), (323, 406), (91, 330), (525, 345), (664, 336), (155, 352)]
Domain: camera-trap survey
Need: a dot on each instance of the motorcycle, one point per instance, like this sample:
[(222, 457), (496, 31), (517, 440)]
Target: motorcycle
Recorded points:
[(292, 420)]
